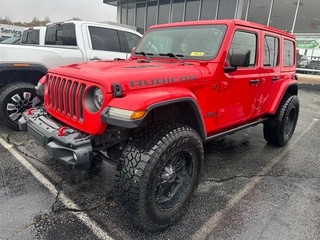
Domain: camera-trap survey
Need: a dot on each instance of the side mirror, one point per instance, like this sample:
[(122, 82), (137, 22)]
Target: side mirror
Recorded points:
[(238, 58)]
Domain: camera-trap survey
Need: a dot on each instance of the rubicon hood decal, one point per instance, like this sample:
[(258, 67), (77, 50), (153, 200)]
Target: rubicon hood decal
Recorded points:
[(161, 81)]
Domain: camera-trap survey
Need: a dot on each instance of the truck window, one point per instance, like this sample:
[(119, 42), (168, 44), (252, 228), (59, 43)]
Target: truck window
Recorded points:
[(132, 39), (271, 51), (30, 36), (245, 40), (61, 34), (288, 53), (104, 39)]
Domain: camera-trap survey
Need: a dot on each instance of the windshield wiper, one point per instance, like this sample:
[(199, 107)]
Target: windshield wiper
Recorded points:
[(177, 56), (145, 54)]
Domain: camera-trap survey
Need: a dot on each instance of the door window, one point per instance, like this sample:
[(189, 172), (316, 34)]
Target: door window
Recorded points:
[(132, 39), (271, 51), (288, 53), (61, 34), (104, 39), (245, 41)]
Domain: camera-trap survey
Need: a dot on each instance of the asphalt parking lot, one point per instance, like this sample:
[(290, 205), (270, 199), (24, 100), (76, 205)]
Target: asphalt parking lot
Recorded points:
[(248, 190)]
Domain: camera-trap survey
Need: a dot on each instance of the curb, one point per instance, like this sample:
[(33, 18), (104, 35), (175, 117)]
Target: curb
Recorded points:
[(310, 86)]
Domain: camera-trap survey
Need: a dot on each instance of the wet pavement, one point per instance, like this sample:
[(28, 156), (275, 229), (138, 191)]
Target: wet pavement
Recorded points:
[(248, 190)]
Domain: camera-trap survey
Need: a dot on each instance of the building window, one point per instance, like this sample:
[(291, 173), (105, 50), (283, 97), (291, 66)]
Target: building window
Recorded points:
[(164, 8), (282, 14), (271, 51), (208, 9), (227, 9), (151, 13), (308, 19), (244, 9), (177, 11), (140, 17), (288, 53), (259, 11), (192, 10), (124, 14), (131, 14)]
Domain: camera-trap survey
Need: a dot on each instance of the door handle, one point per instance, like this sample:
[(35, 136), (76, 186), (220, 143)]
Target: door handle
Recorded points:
[(95, 58), (254, 81), (275, 78)]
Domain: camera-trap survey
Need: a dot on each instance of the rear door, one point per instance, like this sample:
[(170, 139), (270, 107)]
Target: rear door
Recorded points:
[(238, 89), (270, 70)]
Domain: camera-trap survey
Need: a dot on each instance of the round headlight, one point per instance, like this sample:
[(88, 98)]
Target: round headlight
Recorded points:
[(97, 97)]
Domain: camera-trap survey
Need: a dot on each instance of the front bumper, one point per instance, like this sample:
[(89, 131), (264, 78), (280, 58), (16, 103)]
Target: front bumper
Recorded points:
[(62, 143)]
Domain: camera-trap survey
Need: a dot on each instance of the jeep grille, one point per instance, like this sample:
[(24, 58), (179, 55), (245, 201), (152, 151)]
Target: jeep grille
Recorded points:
[(65, 96)]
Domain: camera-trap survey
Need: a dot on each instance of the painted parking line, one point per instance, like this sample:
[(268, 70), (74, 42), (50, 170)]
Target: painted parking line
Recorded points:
[(212, 223), (83, 217)]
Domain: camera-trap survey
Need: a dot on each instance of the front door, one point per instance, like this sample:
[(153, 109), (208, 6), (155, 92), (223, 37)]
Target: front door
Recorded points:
[(238, 89)]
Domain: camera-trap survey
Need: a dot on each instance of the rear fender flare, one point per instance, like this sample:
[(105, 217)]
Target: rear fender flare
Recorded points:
[(283, 89)]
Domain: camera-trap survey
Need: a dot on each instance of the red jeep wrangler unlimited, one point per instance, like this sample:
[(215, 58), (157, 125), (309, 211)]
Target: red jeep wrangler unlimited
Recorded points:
[(185, 83)]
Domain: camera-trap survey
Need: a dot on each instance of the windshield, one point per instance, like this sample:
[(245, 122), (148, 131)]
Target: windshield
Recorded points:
[(189, 42)]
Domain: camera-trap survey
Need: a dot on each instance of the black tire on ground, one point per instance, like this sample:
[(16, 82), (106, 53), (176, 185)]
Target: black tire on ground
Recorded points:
[(15, 98), (159, 171), (279, 129)]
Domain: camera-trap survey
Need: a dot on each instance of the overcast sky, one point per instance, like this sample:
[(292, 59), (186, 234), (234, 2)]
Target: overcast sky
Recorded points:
[(57, 10)]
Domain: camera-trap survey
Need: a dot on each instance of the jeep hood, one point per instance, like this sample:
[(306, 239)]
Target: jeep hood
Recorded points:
[(132, 74)]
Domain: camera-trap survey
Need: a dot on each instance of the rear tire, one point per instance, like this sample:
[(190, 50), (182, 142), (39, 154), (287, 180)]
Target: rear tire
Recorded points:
[(159, 171), (279, 129), (15, 98)]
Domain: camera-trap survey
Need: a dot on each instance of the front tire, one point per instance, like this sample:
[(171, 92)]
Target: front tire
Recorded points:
[(159, 171), (279, 129), (15, 98)]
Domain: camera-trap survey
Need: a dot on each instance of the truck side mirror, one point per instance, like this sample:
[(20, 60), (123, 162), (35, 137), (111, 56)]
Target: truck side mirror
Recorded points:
[(238, 58)]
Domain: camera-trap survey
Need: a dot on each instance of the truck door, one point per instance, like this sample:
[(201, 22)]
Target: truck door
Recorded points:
[(238, 89), (104, 44)]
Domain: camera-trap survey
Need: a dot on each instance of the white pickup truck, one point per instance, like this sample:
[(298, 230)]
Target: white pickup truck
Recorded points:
[(69, 42)]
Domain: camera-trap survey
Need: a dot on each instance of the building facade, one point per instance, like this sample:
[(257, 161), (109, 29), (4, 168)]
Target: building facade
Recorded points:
[(10, 30), (300, 17)]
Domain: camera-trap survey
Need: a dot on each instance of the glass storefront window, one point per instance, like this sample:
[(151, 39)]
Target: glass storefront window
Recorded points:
[(208, 9), (124, 14), (151, 13), (259, 11), (227, 9), (192, 10), (141, 12), (164, 8), (282, 14), (177, 10), (308, 19), (131, 14), (244, 9)]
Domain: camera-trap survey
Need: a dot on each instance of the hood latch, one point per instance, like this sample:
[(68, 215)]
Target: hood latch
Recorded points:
[(117, 90)]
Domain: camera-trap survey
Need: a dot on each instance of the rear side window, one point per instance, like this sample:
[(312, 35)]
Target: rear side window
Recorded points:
[(61, 34), (132, 39), (288, 53), (271, 51), (104, 39), (245, 41), (30, 36)]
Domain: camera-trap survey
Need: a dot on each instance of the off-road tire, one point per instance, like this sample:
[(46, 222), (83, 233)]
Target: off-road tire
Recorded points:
[(152, 197), (10, 118), (279, 129)]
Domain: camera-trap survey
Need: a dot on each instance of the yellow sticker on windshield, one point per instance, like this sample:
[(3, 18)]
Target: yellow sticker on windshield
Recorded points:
[(197, 54)]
